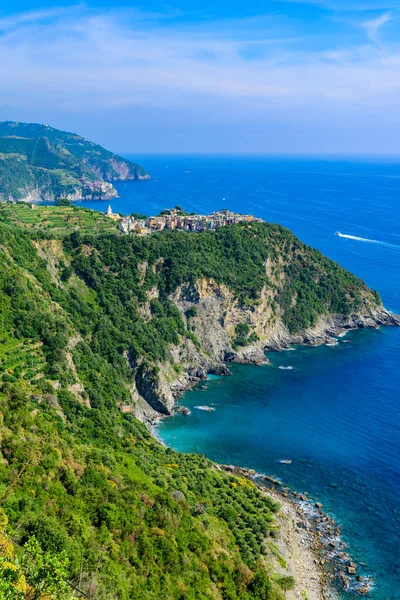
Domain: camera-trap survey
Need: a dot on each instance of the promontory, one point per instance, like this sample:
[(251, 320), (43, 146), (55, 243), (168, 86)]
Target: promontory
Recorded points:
[(38, 162)]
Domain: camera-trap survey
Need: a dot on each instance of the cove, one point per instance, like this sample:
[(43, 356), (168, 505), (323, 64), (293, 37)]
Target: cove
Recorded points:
[(342, 453)]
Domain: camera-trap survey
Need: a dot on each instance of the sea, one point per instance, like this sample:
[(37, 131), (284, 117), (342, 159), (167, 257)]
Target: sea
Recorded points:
[(334, 412)]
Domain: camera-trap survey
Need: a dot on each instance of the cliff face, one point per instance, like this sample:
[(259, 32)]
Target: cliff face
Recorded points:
[(155, 315), (84, 190), (218, 313)]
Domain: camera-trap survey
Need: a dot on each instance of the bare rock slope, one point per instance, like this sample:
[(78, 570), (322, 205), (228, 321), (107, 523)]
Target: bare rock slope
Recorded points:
[(217, 314)]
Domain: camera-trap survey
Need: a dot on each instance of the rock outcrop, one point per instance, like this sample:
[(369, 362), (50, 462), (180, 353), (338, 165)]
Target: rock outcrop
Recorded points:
[(213, 322)]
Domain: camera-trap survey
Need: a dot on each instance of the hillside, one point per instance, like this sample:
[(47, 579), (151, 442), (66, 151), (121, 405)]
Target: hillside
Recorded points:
[(56, 220), (97, 330), (38, 162)]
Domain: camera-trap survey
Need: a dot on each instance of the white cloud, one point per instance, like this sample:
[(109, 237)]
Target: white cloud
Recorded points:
[(373, 26), (349, 5), (78, 60), (34, 16)]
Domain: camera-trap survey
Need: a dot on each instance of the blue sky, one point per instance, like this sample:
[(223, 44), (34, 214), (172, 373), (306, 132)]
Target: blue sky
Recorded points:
[(284, 76)]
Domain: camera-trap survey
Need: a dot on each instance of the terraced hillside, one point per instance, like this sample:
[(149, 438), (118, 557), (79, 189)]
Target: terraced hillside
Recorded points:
[(57, 220)]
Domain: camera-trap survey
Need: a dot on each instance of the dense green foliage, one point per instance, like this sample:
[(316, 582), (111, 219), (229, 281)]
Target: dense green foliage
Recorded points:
[(141, 521), (237, 256), (131, 518), (244, 336), (38, 158)]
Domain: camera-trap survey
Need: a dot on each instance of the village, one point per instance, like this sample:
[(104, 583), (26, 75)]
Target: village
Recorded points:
[(176, 218)]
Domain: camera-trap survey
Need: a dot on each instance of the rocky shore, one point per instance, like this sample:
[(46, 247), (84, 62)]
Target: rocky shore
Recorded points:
[(310, 543), (158, 395)]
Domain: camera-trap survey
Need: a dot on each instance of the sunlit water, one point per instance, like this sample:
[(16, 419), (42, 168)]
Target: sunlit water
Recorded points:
[(335, 413)]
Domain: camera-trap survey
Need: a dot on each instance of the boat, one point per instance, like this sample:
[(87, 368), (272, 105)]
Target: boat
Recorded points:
[(285, 461), (337, 233)]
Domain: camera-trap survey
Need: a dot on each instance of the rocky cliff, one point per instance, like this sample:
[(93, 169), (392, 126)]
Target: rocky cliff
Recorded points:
[(156, 314), (214, 321)]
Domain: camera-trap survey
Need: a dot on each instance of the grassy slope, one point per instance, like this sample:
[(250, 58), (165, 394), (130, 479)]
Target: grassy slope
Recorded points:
[(136, 519), (56, 220)]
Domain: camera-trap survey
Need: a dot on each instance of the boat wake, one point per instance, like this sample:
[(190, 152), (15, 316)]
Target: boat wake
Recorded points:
[(366, 240)]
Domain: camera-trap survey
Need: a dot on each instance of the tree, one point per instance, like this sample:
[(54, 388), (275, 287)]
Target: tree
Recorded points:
[(286, 582), (46, 572)]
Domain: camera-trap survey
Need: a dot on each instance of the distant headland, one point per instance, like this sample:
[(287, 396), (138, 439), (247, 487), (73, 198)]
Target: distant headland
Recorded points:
[(38, 162)]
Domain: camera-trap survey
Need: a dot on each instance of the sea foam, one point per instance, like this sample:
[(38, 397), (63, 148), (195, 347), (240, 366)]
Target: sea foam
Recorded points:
[(367, 240)]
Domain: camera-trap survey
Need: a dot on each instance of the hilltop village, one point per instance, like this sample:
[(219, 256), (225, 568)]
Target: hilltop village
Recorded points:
[(176, 218)]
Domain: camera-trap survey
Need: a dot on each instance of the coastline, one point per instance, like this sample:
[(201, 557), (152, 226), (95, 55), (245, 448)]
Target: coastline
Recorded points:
[(310, 543), (308, 540), (299, 547), (163, 397)]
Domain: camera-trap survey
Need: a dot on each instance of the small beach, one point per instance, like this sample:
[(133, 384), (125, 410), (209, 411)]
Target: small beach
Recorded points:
[(298, 548), (309, 542)]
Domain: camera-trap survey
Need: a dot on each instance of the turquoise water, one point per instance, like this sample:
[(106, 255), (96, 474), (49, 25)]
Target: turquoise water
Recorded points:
[(335, 414)]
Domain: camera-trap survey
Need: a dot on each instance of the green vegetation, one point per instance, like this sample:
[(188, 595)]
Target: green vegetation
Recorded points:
[(138, 216), (87, 490), (57, 220), (243, 337), (63, 202), (235, 255), (179, 211), (33, 573), (286, 582), (40, 161)]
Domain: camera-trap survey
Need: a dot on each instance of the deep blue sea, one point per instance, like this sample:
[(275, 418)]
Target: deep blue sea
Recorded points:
[(335, 414)]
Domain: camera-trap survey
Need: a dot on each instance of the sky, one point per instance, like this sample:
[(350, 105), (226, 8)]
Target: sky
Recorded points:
[(186, 76)]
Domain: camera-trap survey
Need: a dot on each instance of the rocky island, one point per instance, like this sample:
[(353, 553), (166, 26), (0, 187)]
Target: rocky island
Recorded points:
[(38, 162), (99, 331)]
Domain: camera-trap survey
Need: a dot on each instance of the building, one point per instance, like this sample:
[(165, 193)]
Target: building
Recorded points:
[(174, 219), (111, 215)]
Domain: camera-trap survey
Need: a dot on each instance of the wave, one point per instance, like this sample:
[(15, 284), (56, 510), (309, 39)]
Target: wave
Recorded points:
[(206, 408), (367, 240)]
